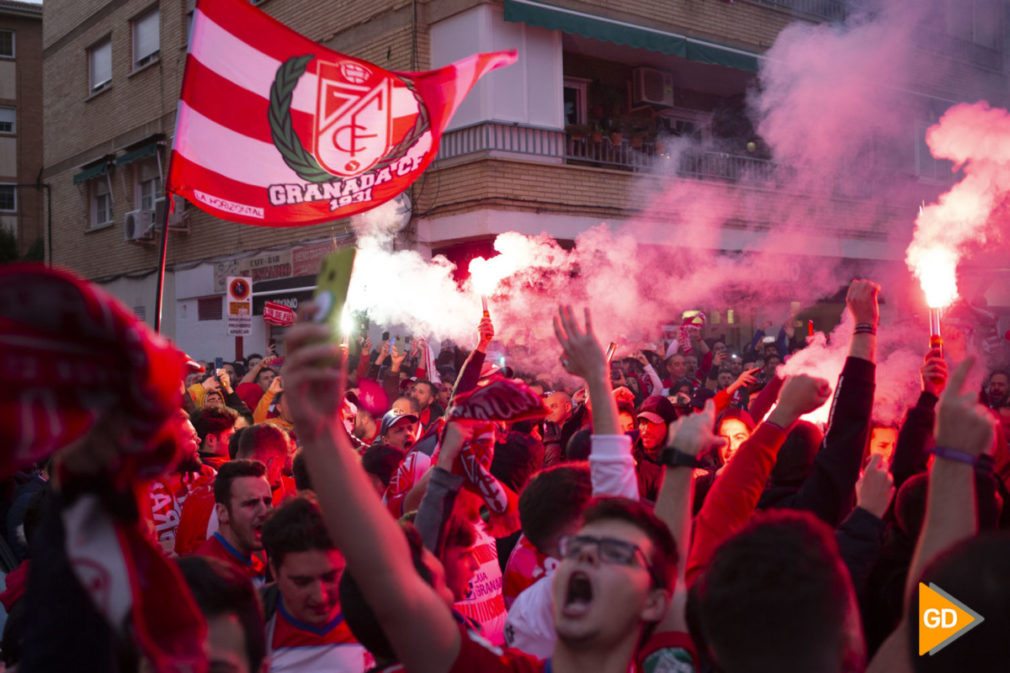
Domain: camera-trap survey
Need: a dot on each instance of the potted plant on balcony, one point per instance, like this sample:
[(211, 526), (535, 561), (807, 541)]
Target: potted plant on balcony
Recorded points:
[(641, 128), (597, 136), (577, 131)]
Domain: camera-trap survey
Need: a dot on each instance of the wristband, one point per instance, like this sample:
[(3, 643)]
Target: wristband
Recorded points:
[(864, 328), (674, 457), (982, 463)]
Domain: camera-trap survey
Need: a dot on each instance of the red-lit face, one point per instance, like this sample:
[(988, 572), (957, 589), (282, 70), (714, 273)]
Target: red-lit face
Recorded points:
[(401, 435), (999, 386), (460, 564), (560, 406), (735, 432), (677, 367), (653, 434), (882, 442), (626, 421), (691, 364), (265, 378), (251, 502), (423, 394), (309, 584), (602, 602)]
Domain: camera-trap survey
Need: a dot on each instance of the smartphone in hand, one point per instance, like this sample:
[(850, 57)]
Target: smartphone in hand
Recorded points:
[(331, 289)]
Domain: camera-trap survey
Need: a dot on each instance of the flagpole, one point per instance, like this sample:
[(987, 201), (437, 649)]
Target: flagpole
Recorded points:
[(161, 263)]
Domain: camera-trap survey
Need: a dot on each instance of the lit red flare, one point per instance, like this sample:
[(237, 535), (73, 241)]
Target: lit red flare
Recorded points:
[(935, 340)]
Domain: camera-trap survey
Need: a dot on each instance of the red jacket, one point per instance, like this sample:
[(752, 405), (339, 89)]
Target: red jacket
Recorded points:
[(734, 495)]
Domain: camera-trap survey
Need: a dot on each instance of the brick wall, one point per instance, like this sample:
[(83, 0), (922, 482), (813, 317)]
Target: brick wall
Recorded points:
[(459, 187), (28, 101)]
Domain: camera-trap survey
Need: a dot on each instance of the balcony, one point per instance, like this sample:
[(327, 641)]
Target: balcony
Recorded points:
[(821, 10), (624, 153)]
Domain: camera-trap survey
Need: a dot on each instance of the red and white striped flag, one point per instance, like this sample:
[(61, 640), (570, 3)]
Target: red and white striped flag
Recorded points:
[(276, 130)]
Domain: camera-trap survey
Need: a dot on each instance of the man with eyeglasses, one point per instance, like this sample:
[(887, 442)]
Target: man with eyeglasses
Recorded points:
[(603, 608)]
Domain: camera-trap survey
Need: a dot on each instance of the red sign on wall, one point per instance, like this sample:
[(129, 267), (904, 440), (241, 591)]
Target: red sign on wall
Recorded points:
[(278, 314)]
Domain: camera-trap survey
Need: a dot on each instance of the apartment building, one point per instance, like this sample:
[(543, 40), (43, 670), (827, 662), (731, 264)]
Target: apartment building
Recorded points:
[(606, 104), (22, 196)]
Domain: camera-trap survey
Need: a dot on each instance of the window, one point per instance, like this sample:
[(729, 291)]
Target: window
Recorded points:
[(101, 203), (575, 100), (100, 66), (210, 308), (977, 21), (8, 199), (8, 120), (7, 43), (146, 39), (148, 186)]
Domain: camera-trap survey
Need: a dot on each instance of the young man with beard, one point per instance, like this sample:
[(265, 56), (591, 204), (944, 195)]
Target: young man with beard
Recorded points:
[(242, 500), (305, 630), (167, 494), (425, 394), (654, 418), (263, 442), (613, 583)]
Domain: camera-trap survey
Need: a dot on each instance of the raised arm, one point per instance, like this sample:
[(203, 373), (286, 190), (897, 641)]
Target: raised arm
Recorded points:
[(735, 493), (910, 454), (611, 464), (828, 491), (469, 373), (964, 432), (689, 436), (420, 625), (442, 486)]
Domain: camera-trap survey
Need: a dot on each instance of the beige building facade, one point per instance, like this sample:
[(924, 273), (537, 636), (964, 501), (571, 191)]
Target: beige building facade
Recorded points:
[(572, 135)]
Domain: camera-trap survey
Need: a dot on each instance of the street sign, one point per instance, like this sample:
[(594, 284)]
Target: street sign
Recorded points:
[(239, 296)]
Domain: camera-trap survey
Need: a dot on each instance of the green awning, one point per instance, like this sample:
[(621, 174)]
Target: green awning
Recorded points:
[(91, 172), (552, 17), (139, 153)]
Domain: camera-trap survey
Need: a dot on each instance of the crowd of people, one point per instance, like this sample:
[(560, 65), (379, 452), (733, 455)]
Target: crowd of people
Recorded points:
[(345, 509)]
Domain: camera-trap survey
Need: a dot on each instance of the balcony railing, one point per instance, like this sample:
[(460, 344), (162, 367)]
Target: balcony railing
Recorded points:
[(649, 157), (825, 10), (496, 137)]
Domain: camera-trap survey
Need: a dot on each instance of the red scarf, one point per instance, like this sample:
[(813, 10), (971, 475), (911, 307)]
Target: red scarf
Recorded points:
[(70, 354)]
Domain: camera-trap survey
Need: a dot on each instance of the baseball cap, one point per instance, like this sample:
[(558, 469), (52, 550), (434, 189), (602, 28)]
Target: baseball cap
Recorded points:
[(394, 416), (657, 409)]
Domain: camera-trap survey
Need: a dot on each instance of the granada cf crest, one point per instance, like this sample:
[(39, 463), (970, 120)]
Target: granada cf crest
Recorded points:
[(365, 118), (354, 118)]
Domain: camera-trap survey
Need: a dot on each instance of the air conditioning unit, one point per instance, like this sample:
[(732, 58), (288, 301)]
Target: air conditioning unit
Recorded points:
[(138, 226), (178, 220), (652, 87)]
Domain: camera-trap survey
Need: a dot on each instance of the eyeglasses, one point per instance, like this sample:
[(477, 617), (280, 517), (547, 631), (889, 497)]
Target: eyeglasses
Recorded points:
[(609, 550)]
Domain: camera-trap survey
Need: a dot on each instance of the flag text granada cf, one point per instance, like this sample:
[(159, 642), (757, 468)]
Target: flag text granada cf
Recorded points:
[(276, 130)]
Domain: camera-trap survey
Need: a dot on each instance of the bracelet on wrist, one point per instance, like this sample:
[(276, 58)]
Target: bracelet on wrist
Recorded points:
[(865, 328), (982, 463)]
